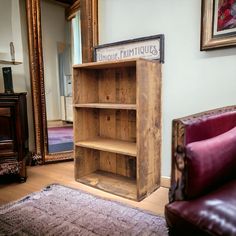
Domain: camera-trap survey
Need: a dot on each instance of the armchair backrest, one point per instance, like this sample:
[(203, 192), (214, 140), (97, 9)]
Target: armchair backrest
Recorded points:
[(190, 129)]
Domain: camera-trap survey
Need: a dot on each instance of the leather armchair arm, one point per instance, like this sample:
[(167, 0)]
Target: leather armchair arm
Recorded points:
[(194, 128)]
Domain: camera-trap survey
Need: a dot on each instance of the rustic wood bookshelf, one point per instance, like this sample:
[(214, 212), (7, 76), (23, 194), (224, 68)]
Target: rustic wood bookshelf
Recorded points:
[(117, 126)]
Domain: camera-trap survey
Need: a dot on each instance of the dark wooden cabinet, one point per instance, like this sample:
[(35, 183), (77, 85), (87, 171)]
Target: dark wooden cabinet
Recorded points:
[(13, 134)]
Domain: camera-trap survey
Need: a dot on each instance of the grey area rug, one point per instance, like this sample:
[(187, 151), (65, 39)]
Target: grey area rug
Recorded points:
[(59, 210)]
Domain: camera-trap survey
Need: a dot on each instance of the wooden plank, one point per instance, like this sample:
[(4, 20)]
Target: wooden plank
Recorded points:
[(86, 124), (106, 86), (110, 145), (109, 64), (132, 126), (118, 164), (86, 161), (125, 85), (126, 166), (85, 81), (8, 154), (118, 124), (126, 125), (7, 148), (107, 106), (119, 185), (148, 126), (5, 111), (108, 162), (107, 123)]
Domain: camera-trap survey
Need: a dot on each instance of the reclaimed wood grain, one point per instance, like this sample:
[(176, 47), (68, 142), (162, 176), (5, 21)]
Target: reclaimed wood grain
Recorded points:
[(148, 126), (107, 106), (111, 145), (117, 184), (121, 120)]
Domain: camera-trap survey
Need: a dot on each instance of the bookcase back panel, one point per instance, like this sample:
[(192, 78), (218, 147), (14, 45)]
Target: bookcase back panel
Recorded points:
[(118, 124), (107, 86), (86, 161), (86, 87), (118, 164), (90, 160), (87, 124), (107, 123), (126, 166), (117, 86)]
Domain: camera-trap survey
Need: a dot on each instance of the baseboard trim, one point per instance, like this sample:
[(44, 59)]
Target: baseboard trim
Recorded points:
[(165, 181)]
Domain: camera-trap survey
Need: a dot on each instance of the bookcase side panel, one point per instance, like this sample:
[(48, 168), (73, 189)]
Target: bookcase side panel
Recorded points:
[(148, 126)]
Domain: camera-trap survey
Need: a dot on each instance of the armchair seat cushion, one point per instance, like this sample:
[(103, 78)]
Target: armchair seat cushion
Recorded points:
[(214, 213)]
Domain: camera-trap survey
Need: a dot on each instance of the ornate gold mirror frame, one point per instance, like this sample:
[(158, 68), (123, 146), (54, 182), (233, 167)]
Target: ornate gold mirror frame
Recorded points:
[(89, 36)]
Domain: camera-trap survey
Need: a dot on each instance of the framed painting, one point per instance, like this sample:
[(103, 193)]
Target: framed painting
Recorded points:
[(218, 24)]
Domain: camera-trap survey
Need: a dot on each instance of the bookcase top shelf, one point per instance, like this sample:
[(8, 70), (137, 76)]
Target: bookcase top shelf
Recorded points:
[(111, 64), (107, 106)]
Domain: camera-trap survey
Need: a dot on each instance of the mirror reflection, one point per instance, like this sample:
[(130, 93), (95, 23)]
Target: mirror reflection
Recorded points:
[(61, 49)]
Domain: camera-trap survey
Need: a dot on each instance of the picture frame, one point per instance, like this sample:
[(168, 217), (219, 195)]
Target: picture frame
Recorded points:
[(151, 47), (218, 24)]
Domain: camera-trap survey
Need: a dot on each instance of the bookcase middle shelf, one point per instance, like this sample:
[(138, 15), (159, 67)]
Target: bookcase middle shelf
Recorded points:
[(110, 145), (107, 106)]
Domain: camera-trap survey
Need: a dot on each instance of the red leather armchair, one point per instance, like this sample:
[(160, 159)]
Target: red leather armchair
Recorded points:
[(202, 197)]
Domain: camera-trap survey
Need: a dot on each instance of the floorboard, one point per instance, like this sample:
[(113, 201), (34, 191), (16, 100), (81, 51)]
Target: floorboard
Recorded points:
[(63, 173)]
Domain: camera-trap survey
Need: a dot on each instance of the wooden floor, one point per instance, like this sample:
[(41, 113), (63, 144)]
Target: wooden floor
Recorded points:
[(63, 173)]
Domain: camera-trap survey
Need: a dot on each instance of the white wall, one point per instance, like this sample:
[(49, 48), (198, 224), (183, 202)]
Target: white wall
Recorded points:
[(53, 32), (193, 81), (76, 34), (12, 14), (6, 31)]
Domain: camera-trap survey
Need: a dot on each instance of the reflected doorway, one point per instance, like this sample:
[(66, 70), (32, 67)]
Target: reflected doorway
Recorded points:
[(60, 136)]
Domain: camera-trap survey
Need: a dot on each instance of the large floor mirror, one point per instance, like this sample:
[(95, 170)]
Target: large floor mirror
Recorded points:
[(61, 33)]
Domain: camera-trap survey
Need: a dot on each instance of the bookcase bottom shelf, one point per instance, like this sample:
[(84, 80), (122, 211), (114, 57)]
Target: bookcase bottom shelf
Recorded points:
[(112, 183)]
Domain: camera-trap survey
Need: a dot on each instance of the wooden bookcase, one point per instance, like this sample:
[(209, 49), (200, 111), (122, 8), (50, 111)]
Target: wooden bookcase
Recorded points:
[(117, 126)]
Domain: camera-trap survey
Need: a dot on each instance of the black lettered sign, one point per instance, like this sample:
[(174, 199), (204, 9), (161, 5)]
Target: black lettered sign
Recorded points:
[(151, 47)]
